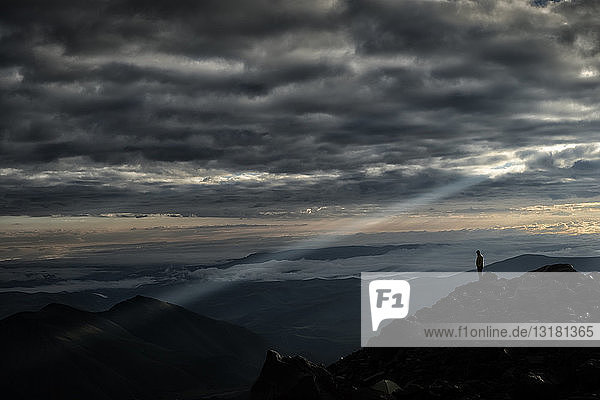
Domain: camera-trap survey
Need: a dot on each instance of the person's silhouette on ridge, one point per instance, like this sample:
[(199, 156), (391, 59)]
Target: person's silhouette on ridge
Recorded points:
[(479, 262)]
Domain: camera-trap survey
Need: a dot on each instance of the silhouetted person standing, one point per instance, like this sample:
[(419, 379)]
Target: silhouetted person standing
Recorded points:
[(479, 262)]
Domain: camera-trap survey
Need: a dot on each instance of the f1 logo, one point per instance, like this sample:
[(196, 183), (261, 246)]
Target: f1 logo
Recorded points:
[(389, 300)]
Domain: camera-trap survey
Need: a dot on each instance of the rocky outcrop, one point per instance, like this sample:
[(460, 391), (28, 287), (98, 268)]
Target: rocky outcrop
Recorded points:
[(436, 373), (296, 378), (556, 268), (290, 378), (494, 298), (450, 373), (478, 373)]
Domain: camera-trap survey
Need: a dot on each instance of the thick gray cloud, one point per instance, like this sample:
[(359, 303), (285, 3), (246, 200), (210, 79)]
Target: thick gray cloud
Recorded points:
[(327, 102)]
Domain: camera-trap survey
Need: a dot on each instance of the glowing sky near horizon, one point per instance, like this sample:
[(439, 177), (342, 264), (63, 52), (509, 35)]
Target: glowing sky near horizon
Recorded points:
[(294, 120)]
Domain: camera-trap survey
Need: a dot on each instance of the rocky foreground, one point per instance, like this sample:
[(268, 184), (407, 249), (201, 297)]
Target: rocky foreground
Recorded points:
[(438, 373)]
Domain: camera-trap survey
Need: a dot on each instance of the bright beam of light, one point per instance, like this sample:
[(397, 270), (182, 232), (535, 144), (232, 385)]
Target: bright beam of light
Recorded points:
[(364, 222), (193, 291)]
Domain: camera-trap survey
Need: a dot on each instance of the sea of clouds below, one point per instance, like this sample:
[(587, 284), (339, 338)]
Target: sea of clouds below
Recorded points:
[(442, 251)]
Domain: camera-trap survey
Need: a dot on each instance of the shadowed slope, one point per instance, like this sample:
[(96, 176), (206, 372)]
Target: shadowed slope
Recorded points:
[(141, 348)]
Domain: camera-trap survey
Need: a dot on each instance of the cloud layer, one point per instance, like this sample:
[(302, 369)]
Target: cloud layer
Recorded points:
[(234, 108)]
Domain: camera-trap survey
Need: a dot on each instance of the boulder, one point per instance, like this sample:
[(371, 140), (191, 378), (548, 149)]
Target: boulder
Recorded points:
[(291, 378), (556, 268)]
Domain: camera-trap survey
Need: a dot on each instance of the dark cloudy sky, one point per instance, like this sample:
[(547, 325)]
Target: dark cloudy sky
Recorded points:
[(257, 108)]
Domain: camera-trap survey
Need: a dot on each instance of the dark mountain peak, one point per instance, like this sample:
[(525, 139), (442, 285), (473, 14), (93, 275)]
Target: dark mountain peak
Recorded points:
[(139, 299), (144, 299), (49, 314), (59, 308), (530, 255), (57, 313), (142, 304), (154, 320)]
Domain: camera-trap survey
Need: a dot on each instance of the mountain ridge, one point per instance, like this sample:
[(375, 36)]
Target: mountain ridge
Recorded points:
[(124, 354), (323, 253)]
